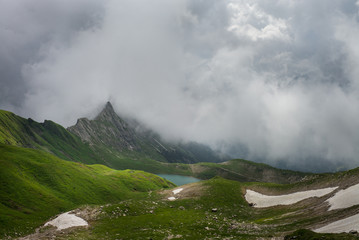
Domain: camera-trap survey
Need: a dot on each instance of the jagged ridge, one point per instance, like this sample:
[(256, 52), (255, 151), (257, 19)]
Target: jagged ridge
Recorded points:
[(108, 129)]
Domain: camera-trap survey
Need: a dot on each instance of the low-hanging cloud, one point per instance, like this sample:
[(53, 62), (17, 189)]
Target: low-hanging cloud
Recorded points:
[(272, 81)]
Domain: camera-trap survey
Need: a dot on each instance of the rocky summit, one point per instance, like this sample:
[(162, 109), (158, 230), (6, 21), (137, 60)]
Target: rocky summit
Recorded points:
[(108, 130)]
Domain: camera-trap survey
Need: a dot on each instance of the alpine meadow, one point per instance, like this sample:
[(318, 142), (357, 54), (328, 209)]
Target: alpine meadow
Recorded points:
[(181, 119)]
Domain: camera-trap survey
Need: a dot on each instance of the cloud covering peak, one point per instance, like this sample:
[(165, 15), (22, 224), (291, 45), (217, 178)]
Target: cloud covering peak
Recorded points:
[(273, 81)]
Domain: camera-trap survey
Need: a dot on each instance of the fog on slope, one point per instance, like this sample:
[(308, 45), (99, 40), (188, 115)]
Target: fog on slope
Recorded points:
[(271, 81)]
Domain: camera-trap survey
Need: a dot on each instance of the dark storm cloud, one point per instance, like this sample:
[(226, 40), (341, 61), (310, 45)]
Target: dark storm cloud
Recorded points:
[(274, 81), (26, 27)]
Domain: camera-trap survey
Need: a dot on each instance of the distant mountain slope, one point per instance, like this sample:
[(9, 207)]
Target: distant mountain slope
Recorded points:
[(111, 141), (53, 138), (246, 171), (35, 185), (110, 130), (107, 140)]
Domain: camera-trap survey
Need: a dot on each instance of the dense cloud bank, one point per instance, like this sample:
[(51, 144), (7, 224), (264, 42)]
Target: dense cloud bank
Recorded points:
[(274, 81)]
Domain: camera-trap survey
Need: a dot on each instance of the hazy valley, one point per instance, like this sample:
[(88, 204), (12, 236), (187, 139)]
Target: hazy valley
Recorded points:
[(48, 170), (180, 119)]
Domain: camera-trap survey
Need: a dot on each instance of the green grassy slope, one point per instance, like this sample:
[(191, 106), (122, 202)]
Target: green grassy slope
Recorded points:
[(187, 218), (191, 217), (246, 171), (53, 138), (35, 185), (47, 136), (236, 169)]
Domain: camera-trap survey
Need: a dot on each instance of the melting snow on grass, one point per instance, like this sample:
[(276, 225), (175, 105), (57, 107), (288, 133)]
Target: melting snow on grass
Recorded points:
[(345, 198), (260, 200), (67, 220), (344, 225), (177, 191)]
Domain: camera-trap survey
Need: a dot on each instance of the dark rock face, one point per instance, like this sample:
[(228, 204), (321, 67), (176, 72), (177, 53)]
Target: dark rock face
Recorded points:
[(111, 131), (106, 129)]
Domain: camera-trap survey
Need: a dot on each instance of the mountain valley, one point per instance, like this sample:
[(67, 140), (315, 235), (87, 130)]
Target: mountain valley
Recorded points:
[(95, 170)]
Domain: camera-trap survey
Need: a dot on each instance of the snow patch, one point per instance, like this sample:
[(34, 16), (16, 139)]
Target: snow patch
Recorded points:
[(260, 200), (67, 220), (345, 198), (344, 225), (177, 191)]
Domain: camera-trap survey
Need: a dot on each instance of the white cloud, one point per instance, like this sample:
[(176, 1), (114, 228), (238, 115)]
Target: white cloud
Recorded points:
[(248, 20), (269, 80)]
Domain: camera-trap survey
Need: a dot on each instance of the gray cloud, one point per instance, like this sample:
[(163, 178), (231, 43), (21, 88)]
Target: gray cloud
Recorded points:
[(26, 27), (272, 81)]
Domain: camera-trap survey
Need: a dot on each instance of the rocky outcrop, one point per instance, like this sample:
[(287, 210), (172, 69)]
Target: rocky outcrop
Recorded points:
[(106, 129), (111, 131)]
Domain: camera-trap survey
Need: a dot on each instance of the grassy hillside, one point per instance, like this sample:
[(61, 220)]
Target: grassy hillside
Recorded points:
[(245, 171), (47, 136), (55, 139), (213, 209), (35, 185)]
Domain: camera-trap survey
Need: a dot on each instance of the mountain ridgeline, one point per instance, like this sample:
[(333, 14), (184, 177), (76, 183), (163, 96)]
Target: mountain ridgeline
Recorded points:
[(47, 136), (47, 169), (109, 140), (108, 130)]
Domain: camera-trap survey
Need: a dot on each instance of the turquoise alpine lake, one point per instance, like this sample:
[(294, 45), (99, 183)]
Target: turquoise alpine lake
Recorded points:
[(178, 179)]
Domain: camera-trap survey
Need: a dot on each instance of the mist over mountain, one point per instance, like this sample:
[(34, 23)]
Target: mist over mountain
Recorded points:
[(109, 131), (271, 81)]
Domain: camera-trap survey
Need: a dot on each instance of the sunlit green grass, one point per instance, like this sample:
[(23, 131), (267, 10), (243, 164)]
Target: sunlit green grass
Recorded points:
[(35, 185), (192, 218)]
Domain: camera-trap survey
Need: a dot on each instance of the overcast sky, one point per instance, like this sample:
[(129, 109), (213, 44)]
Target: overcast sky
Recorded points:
[(275, 81)]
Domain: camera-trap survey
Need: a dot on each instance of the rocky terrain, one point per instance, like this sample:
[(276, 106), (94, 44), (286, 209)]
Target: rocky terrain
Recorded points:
[(108, 130)]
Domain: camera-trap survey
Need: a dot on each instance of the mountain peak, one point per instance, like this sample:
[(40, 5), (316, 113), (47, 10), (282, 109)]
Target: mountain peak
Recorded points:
[(107, 112), (108, 107)]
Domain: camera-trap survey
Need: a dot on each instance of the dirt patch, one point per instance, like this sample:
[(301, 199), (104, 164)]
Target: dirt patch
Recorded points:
[(87, 213), (192, 190), (196, 169), (225, 163)]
